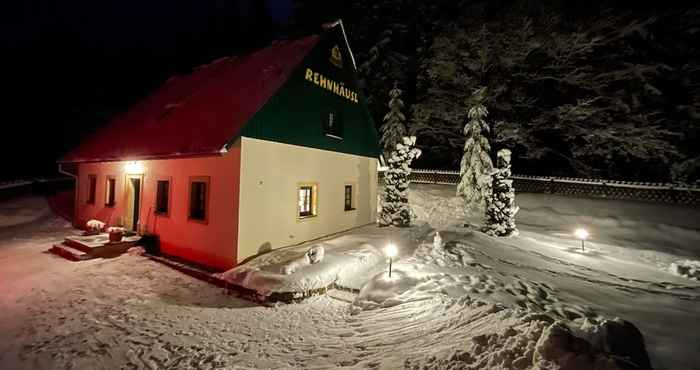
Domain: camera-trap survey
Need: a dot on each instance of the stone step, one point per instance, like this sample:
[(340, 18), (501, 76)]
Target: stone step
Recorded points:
[(69, 253), (75, 244)]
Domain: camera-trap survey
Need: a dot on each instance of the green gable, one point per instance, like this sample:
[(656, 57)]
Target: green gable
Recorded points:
[(320, 106)]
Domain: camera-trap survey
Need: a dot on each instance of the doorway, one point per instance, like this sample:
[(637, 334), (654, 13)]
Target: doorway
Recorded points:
[(133, 203)]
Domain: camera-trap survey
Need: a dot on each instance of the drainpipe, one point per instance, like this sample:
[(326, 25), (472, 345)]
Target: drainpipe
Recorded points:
[(75, 186)]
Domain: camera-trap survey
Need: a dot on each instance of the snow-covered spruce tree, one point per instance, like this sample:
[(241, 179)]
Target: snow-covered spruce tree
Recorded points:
[(475, 170), (501, 210), (394, 128), (395, 208)]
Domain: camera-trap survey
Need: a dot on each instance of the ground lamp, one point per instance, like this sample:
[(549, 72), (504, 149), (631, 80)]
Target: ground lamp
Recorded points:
[(582, 234), (391, 252)]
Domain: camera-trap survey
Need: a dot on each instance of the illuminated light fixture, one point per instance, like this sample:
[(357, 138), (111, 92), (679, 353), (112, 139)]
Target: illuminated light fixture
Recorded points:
[(391, 251), (582, 234), (134, 167)]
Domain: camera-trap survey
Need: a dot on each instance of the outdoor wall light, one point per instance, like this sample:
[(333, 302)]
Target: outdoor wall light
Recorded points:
[(134, 167)]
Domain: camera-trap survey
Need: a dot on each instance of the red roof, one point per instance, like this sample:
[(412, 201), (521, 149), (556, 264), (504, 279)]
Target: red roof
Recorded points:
[(199, 113)]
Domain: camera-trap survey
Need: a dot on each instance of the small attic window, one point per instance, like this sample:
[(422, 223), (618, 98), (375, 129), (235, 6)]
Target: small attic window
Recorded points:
[(333, 124)]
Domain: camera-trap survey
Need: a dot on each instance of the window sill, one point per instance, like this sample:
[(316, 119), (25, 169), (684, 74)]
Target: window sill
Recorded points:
[(306, 217), (350, 209), (334, 136), (110, 205), (162, 214), (198, 221)]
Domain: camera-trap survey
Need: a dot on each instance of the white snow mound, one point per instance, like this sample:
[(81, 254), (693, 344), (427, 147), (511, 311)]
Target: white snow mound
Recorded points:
[(686, 268), (279, 271), (384, 291)]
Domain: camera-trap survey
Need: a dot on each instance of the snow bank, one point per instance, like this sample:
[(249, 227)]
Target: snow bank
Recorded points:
[(265, 274), (501, 338), (443, 255), (349, 261), (384, 291), (437, 205), (686, 268)]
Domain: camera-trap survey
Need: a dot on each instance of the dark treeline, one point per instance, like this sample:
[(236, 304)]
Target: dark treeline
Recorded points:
[(585, 88)]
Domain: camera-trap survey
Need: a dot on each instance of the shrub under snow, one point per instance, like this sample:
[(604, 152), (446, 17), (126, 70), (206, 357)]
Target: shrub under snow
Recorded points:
[(501, 210), (395, 208)]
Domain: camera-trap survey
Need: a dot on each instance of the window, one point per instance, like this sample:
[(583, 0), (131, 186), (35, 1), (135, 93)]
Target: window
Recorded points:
[(163, 197), (349, 201), (110, 188), (199, 198), (92, 189), (307, 200), (333, 124)]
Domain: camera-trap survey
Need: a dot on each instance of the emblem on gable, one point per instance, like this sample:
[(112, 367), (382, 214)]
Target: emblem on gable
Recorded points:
[(336, 58)]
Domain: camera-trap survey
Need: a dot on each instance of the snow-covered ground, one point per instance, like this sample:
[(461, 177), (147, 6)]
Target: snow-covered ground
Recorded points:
[(472, 302)]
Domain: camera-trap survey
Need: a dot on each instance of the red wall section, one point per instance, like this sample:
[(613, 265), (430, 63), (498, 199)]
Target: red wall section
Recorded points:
[(212, 243)]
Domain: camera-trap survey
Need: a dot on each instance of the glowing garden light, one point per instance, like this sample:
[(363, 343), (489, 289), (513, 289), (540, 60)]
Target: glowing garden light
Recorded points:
[(391, 251), (582, 234)]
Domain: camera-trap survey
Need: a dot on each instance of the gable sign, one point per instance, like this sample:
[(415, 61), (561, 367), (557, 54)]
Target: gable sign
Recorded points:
[(330, 85)]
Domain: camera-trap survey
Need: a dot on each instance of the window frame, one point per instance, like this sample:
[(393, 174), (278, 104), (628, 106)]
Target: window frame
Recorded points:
[(313, 205), (168, 201), (337, 131), (207, 190), (110, 191), (92, 189), (353, 193)]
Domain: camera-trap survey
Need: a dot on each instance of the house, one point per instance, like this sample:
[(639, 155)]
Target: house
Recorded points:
[(241, 156)]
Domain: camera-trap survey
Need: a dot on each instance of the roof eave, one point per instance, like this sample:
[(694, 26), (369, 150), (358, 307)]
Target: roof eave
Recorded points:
[(213, 153)]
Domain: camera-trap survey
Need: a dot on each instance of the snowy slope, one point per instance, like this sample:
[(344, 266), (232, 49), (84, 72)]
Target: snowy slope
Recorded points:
[(623, 272)]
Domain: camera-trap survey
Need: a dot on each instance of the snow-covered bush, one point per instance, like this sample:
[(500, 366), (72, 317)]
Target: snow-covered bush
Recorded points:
[(116, 229), (475, 170), (95, 225), (395, 208), (393, 129), (312, 256), (501, 210)]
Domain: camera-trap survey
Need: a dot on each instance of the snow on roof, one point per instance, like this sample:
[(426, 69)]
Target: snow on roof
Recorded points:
[(199, 113)]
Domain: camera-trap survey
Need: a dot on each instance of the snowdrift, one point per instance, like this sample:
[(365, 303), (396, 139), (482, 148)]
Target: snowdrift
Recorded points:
[(264, 274)]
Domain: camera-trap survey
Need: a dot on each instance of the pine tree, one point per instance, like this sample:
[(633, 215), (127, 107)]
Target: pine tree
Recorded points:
[(475, 171), (500, 214), (394, 128), (395, 208)]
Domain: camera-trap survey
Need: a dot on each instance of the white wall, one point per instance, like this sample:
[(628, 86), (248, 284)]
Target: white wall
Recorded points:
[(270, 175)]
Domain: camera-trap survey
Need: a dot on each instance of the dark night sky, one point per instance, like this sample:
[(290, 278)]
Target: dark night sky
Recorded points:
[(66, 67), (69, 65)]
